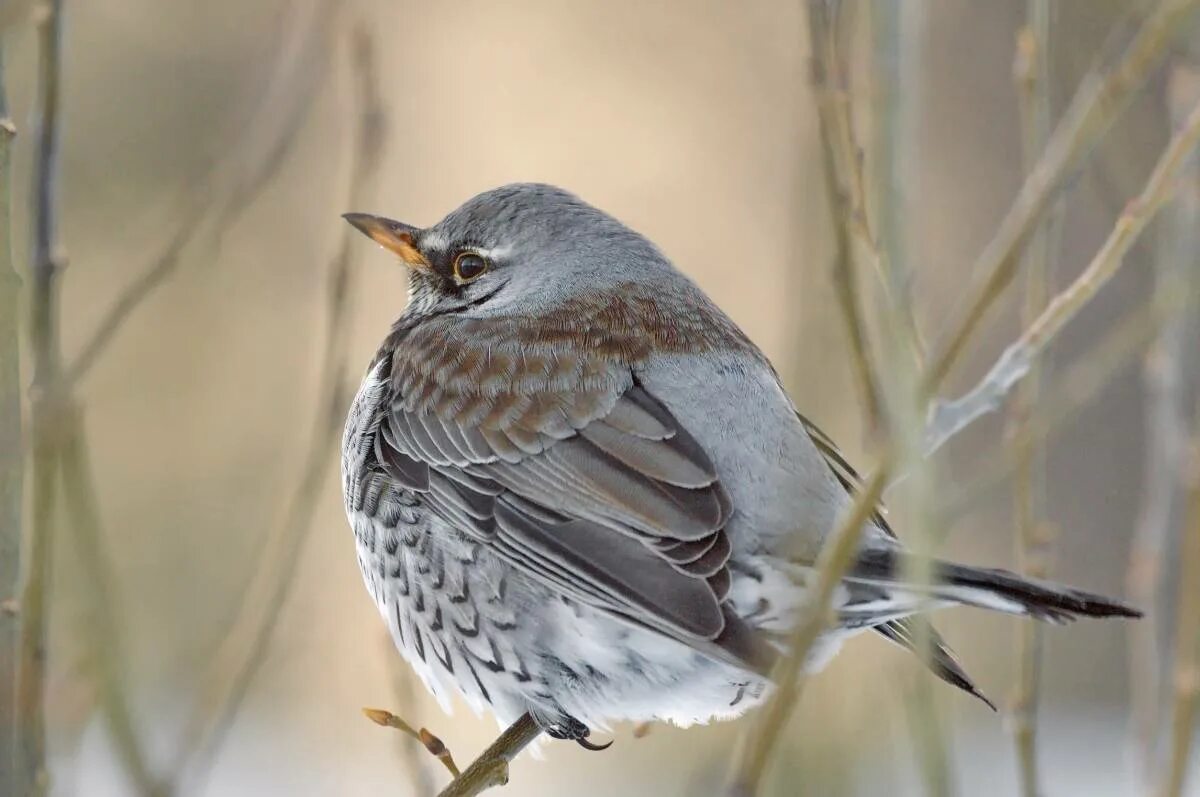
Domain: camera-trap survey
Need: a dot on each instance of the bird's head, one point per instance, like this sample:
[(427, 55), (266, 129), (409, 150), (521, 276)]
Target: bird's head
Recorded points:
[(519, 249)]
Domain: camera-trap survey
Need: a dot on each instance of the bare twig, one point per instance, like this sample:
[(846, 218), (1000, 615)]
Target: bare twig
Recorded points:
[(491, 768), (1078, 385), (896, 31), (1170, 367), (1101, 97), (1031, 72), (837, 554), (823, 62), (261, 613), (57, 444), (403, 693), (1187, 638), (43, 334), (11, 458), (101, 628), (947, 418), (433, 744), (220, 196)]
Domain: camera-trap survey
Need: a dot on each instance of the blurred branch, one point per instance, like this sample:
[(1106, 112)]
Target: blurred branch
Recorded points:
[(837, 554), (1187, 637), (948, 417), (822, 63), (101, 628), (1079, 384), (58, 444), (896, 34), (897, 31), (1170, 367), (491, 768), (1031, 72), (433, 744), (1099, 100), (12, 460), (238, 176), (279, 559), (45, 263)]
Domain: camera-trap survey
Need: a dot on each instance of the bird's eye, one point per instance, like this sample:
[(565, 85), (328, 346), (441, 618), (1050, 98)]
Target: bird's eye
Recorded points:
[(468, 266)]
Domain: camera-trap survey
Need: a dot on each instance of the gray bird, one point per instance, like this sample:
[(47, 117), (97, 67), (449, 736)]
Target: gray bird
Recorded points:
[(579, 491)]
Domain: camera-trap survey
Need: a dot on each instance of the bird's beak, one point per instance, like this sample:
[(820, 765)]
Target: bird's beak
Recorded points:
[(392, 235)]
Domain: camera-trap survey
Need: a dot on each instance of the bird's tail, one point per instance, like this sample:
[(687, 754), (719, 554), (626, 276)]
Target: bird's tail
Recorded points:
[(999, 590)]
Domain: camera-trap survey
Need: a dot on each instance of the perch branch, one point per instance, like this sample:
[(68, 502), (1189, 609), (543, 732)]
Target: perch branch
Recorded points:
[(491, 768), (1031, 72), (837, 554), (948, 417), (1099, 100), (45, 263), (12, 489), (288, 538)]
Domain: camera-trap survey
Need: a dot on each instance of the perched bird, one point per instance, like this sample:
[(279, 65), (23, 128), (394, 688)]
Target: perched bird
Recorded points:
[(578, 490)]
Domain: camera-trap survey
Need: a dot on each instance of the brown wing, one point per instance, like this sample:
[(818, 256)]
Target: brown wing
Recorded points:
[(570, 470)]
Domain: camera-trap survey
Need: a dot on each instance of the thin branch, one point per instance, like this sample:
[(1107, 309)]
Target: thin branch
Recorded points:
[(1187, 639), (101, 628), (947, 418), (43, 333), (219, 197), (286, 542), (403, 693), (436, 747), (12, 464), (896, 32), (837, 554), (1079, 384), (491, 768), (1169, 368), (1031, 71), (1102, 96), (823, 62)]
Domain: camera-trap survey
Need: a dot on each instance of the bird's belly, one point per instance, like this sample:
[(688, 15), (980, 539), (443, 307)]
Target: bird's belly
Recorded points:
[(512, 645), (452, 612)]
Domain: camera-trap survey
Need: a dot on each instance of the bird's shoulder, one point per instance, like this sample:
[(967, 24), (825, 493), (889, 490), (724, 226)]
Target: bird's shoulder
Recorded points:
[(585, 346)]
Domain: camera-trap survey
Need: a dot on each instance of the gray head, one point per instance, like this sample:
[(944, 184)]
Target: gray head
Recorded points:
[(516, 249)]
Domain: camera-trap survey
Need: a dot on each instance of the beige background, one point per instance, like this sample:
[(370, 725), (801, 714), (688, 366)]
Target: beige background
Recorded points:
[(692, 122)]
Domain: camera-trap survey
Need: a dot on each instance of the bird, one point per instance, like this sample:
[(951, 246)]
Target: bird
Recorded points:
[(578, 490)]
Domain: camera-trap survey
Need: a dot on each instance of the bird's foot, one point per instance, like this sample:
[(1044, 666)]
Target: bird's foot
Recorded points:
[(570, 729)]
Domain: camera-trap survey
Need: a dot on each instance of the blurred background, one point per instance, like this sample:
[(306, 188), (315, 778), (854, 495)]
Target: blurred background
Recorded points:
[(228, 136)]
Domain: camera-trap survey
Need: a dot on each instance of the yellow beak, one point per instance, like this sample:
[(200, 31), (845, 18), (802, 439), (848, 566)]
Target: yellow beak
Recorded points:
[(394, 236)]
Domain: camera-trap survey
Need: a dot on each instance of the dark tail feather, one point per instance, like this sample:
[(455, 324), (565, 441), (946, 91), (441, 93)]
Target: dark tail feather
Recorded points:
[(1000, 590), (942, 660)]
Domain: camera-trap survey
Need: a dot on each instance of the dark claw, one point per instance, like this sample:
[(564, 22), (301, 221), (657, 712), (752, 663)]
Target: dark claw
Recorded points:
[(568, 729), (595, 748)]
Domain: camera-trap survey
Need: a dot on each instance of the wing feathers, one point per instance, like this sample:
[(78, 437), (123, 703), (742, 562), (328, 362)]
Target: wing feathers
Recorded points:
[(576, 476)]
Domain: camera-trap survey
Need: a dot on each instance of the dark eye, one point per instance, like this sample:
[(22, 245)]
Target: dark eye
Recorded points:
[(468, 266)]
